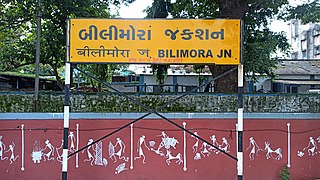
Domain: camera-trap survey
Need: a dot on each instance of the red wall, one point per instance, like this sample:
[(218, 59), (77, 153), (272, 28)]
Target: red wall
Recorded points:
[(214, 166)]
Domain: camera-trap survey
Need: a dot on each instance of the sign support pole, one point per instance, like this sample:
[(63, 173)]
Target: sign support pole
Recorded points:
[(66, 111), (240, 110)]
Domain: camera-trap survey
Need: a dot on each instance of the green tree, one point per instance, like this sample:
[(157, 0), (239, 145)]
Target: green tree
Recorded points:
[(307, 12), (259, 41), (18, 30), (159, 9)]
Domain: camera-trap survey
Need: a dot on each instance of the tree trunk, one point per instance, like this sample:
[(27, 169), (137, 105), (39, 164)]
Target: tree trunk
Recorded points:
[(226, 84), (234, 9)]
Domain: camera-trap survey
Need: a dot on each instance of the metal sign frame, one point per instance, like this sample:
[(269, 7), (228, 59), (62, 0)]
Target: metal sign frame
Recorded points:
[(67, 104), (160, 41)]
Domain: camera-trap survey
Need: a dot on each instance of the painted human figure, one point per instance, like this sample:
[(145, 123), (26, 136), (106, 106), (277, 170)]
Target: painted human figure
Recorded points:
[(215, 143), (72, 140), (2, 149), (141, 142), (90, 156), (163, 136), (205, 150), (196, 144), (59, 157), (254, 148), (50, 153), (121, 149), (312, 147), (225, 145), (11, 148)]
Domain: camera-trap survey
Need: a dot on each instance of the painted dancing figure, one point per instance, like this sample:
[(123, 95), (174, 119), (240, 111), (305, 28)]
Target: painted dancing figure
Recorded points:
[(196, 144), (205, 150), (2, 149), (50, 154), (11, 148), (140, 151), (59, 157), (72, 140), (225, 145), (312, 147), (255, 148), (121, 150), (90, 156), (215, 143)]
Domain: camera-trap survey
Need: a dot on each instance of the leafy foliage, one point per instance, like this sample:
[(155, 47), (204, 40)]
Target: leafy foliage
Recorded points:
[(159, 9), (284, 173), (308, 12), (18, 29), (259, 42)]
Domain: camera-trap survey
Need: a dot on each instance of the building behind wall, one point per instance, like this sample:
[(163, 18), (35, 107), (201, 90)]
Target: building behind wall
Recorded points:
[(305, 40)]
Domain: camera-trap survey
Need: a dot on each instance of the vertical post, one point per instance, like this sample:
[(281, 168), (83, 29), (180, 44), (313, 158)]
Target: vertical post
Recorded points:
[(289, 146), (184, 147), (240, 109), (66, 110), (77, 155), (36, 82), (131, 146), (22, 147)]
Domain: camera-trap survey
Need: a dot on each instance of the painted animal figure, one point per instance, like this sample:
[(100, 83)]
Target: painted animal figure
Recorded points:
[(270, 151), (170, 157)]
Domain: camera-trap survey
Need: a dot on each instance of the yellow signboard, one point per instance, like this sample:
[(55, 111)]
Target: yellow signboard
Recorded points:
[(155, 41)]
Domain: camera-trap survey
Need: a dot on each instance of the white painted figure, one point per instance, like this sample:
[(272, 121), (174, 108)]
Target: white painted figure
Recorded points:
[(122, 147), (90, 156), (72, 140), (50, 153), (270, 151), (170, 157), (312, 147), (166, 142), (12, 157), (215, 143), (36, 152), (59, 157), (196, 144), (204, 149), (225, 146), (318, 139), (254, 148), (2, 149), (140, 143)]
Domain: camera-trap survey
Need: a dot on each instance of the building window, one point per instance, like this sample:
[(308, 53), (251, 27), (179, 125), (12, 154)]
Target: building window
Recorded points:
[(303, 45), (288, 89), (312, 86), (294, 89), (312, 77), (316, 50), (304, 54), (316, 40), (294, 55)]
